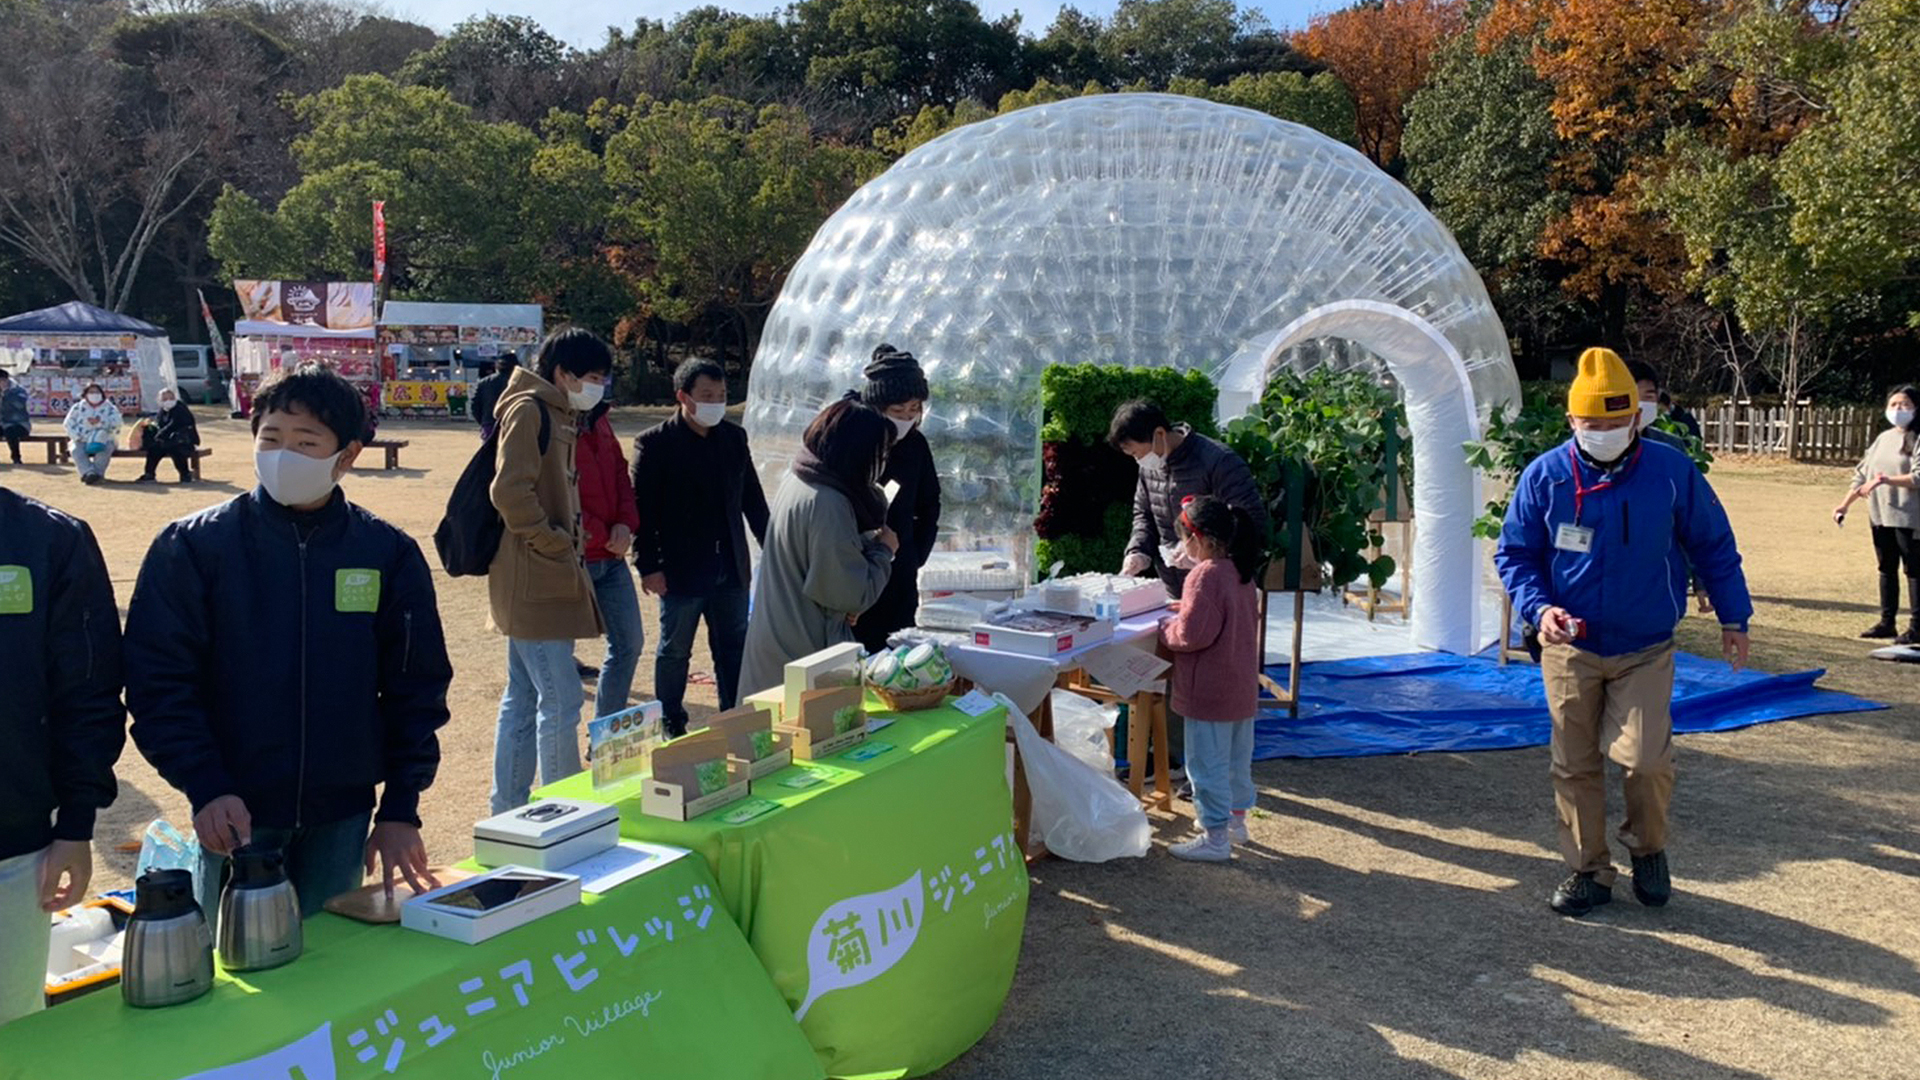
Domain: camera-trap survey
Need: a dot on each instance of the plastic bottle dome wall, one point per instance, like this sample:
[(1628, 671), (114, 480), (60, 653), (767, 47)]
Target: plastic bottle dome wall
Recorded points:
[(1138, 229)]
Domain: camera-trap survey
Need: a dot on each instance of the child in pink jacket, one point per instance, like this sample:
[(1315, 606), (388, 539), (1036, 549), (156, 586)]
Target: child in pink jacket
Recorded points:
[(1216, 667)]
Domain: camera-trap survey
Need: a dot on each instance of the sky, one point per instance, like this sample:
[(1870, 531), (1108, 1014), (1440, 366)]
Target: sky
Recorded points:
[(584, 22)]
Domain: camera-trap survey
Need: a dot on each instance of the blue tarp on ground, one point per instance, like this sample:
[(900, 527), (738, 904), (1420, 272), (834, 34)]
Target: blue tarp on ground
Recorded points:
[(1424, 702)]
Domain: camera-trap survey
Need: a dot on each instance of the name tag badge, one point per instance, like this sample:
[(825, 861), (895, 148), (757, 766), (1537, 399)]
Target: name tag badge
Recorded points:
[(1574, 538), (16, 590), (356, 591)]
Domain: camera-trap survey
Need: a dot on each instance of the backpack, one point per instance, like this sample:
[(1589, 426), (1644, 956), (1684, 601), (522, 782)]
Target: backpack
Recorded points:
[(469, 535)]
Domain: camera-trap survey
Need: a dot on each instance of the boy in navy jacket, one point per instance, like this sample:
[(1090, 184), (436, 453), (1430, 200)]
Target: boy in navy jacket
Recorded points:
[(61, 725), (285, 658), (1595, 551)]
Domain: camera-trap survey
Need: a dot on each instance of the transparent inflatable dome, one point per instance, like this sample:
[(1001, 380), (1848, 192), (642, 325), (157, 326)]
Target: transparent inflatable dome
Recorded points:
[(1139, 229)]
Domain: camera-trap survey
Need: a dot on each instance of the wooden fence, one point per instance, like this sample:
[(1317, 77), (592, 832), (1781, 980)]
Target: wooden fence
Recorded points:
[(1835, 434)]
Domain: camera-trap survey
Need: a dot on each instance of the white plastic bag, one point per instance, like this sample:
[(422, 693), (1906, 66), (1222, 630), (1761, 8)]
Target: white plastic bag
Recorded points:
[(1080, 812), (163, 847), (1080, 727)]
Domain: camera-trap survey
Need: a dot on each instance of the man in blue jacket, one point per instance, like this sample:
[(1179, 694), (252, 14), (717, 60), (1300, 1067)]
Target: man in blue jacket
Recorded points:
[(61, 725), (1598, 538), (284, 658)]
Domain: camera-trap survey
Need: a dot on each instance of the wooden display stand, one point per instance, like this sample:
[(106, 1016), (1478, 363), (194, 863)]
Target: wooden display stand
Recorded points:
[(1395, 509), (1508, 651), (1146, 730), (1298, 576)]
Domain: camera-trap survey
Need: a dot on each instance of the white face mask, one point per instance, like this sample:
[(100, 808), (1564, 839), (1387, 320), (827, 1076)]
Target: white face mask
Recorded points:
[(587, 396), (1151, 460), (902, 428), (166, 403), (95, 399), (1649, 412), (1900, 418), (293, 478), (1604, 446), (709, 413)]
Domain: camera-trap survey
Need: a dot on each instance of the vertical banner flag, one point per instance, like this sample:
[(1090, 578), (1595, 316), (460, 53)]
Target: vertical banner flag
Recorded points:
[(220, 355), (379, 244)]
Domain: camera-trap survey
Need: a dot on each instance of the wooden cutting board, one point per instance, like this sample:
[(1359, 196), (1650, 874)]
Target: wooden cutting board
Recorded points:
[(370, 904)]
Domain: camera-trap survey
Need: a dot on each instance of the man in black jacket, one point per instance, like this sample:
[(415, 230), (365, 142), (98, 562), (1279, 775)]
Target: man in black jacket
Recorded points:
[(486, 393), (61, 725), (697, 493), (284, 657), (897, 387)]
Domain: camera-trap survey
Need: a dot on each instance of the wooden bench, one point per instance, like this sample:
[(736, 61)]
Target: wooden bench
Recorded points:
[(60, 452), (392, 447), (193, 457), (56, 446)]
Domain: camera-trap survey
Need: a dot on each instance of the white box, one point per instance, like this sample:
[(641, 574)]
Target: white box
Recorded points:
[(1041, 633), (836, 665), (487, 906), (548, 835)]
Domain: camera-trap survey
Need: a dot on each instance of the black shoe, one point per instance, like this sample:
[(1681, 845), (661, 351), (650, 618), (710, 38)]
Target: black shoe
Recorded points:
[(587, 671), (1651, 884), (146, 478), (1578, 895), (1909, 636), (1882, 629), (89, 479)]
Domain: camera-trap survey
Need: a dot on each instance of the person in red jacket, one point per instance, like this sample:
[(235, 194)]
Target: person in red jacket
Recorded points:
[(608, 518)]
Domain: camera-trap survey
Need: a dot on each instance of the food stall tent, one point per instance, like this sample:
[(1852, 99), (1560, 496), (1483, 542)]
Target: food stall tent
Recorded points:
[(420, 343), (57, 351)]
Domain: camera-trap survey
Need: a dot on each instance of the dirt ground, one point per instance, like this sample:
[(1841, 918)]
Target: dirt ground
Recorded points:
[(1389, 921)]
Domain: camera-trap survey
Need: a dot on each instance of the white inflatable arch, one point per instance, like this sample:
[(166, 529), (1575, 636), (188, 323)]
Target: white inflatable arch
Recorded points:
[(1442, 414)]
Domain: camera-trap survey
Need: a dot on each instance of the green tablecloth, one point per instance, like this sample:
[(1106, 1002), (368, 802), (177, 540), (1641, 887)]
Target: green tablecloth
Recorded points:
[(649, 973), (887, 900)]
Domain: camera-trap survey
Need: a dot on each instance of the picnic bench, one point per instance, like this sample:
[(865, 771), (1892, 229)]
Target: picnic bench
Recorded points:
[(392, 447), (60, 452)]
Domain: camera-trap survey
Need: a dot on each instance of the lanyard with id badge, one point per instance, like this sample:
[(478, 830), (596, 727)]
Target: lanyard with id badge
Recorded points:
[(1575, 537)]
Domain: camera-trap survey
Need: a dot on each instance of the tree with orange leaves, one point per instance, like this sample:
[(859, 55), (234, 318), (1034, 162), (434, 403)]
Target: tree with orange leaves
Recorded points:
[(1383, 50)]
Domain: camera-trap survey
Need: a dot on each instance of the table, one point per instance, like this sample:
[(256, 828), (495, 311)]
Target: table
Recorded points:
[(887, 900), (653, 971), (1028, 682)]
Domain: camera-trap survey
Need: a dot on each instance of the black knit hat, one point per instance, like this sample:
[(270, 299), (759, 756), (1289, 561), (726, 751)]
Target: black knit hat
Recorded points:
[(894, 378)]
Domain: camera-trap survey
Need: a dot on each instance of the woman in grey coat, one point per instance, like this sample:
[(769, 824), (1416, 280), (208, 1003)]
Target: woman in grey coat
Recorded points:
[(828, 552)]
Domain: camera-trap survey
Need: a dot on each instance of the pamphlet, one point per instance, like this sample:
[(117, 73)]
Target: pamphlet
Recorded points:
[(975, 703), (1123, 668), (621, 863), (867, 751), (747, 810)]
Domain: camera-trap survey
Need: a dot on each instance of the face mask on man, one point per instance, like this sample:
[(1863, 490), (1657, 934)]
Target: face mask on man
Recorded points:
[(1151, 460), (1900, 418), (293, 478), (1604, 446), (587, 396), (1649, 412), (709, 413)]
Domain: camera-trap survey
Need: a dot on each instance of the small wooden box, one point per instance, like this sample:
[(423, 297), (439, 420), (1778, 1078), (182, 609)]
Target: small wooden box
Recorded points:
[(691, 776), (829, 722), (753, 746)]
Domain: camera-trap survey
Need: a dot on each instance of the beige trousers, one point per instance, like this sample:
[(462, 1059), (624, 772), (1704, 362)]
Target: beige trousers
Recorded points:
[(1610, 708)]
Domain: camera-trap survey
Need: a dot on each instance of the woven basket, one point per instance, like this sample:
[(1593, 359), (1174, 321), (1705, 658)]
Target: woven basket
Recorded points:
[(913, 700)]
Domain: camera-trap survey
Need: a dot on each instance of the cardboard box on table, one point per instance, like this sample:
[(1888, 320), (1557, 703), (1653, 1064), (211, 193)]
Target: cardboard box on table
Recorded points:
[(1040, 633), (753, 746), (691, 775), (772, 701), (831, 667), (827, 723)]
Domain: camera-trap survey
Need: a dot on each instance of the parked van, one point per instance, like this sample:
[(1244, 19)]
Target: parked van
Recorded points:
[(193, 373)]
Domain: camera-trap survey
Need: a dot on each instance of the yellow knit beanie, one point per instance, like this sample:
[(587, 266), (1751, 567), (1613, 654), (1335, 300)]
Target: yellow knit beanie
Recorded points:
[(1602, 388)]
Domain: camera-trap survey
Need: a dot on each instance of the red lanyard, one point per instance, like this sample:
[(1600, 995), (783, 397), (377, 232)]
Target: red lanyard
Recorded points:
[(1581, 491)]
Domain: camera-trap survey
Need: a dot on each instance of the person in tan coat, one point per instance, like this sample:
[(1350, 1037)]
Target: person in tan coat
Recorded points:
[(541, 596)]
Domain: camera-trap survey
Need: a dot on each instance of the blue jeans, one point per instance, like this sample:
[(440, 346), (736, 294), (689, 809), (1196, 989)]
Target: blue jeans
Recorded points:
[(539, 720), (323, 861), (725, 609), (1220, 764), (620, 610), (94, 464)]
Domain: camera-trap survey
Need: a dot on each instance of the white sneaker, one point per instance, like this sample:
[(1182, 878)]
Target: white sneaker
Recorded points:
[(1237, 830), (1207, 845)]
